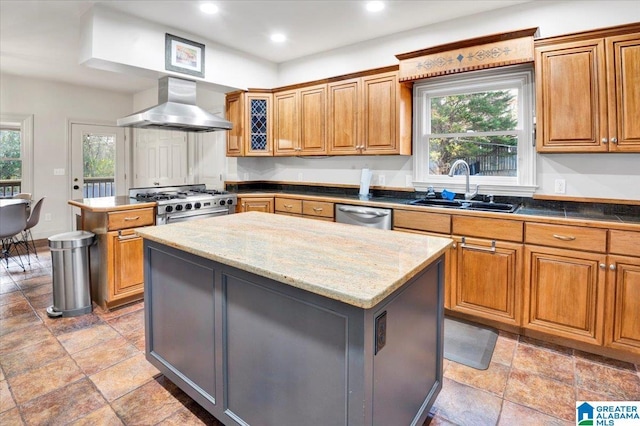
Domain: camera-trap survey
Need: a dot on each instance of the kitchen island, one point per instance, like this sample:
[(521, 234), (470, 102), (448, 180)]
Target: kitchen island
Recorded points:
[(275, 320)]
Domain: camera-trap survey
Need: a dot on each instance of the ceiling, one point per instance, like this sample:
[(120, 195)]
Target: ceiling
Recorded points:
[(41, 38)]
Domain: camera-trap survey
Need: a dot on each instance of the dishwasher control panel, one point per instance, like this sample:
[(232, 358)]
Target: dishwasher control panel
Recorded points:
[(372, 217)]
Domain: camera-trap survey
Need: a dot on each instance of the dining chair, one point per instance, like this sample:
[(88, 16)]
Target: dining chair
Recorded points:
[(13, 220), (34, 218), (23, 195)]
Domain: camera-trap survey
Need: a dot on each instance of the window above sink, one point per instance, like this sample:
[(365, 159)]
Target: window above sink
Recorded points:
[(483, 117)]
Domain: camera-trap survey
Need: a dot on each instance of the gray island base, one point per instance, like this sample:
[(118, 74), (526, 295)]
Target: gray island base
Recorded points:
[(274, 342)]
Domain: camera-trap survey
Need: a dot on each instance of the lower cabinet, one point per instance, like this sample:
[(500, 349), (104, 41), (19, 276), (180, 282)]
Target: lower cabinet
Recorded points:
[(255, 204), (124, 265), (564, 293), (622, 313), (486, 279), (311, 209)]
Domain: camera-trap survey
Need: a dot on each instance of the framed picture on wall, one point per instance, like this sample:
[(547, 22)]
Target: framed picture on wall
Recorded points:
[(184, 56)]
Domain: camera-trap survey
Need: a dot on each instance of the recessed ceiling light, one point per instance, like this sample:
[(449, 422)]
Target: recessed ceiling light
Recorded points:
[(278, 37), (375, 6), (209, 8)]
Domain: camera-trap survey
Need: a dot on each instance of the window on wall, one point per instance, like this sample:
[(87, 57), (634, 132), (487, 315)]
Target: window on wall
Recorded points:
[(15, 154), (10, 160), (484, 118)]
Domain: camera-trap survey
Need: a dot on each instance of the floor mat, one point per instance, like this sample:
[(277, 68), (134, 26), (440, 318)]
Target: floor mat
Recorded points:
[(469, 344)]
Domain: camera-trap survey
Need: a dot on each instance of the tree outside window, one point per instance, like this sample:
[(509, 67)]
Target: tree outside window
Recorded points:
[(10, 162)]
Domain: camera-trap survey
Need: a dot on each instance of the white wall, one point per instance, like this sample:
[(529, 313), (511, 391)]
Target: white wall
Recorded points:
[(53, 105), (118, 42), (587, 175)]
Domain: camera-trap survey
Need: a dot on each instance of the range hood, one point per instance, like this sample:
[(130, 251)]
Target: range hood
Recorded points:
[(176, 110)]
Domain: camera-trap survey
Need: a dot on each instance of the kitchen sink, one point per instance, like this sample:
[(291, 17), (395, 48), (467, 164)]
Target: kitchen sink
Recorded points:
[(466, 205)]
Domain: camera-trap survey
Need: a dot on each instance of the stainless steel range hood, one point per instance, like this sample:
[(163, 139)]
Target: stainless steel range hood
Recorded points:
[(177, 110)]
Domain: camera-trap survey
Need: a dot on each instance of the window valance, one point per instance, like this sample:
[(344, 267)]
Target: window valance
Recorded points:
[(491, 51)]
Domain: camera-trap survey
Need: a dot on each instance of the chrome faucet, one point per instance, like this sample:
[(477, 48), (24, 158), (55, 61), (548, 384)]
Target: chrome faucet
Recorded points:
[(468, 195)]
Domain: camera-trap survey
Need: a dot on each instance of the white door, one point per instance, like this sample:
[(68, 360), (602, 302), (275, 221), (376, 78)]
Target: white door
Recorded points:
[(98, 161), (160, 158)]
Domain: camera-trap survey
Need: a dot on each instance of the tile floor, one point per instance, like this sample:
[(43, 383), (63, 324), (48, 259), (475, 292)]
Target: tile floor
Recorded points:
[(91, 370)]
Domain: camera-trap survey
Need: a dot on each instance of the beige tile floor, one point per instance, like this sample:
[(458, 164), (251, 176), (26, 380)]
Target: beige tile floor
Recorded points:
[(91, 370)]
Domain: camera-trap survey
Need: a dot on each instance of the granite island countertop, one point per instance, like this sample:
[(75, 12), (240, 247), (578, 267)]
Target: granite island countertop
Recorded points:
[(356, 265)]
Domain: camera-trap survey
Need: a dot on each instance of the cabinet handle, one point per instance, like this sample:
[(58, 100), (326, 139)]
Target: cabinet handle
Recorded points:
[(605, 140), (128, 219), (564, 237), (317, 209), (126, 237), (492, 249), (612, 267), (602, 266), (288, 206), (614, 140)]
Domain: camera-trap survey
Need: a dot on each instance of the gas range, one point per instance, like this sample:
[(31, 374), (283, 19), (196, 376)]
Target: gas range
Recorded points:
[(186, 202)]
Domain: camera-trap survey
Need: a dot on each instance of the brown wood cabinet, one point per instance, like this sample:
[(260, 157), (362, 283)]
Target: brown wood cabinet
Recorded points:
[(622, 311), (116, 261), (300, 118), (254, 204), (565, 281), (250, 113), (587, 96), (124, 265), (486, 273), (312, 209), (564, 293), (370, 115)]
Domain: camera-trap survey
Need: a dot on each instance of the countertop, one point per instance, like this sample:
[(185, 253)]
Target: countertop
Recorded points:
[(109, 204), (355, 265)]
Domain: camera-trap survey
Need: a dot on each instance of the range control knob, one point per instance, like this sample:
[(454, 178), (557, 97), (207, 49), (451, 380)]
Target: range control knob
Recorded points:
[(197, 205), (230, 201), (179, 207), (188, 206), (168, 209), (222, 202)]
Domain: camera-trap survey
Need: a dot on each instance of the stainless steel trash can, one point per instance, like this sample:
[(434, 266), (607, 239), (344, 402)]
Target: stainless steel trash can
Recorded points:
[(70, 266)]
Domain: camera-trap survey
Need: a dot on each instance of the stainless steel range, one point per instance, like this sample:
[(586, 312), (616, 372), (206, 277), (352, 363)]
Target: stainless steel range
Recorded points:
[(186, 202)]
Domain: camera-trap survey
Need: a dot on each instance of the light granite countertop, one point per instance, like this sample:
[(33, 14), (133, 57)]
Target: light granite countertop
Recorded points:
[(356, 265), (111, 204)]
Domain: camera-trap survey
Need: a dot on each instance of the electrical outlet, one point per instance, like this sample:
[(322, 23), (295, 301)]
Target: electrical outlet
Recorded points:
[(47, 217), (300, 177), (381, 180), (246, 176), (408, 181), (560, 186)]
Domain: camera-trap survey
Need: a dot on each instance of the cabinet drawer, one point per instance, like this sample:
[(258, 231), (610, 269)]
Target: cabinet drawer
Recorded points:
[(430, 222), (577, 237), (624, 242), (501, 229), (288, 206), (131, 218), (317, 208)]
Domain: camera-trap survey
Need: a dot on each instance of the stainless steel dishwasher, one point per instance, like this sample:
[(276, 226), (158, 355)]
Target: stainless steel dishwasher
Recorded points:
[(372, 217)]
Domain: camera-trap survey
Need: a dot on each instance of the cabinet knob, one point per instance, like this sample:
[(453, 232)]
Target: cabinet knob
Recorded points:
[(602, 266), (614, 140), (612, 267), (605, 140)]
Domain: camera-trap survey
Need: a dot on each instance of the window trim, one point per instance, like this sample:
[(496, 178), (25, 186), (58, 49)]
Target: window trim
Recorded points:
[(493, 79), (25, 124)]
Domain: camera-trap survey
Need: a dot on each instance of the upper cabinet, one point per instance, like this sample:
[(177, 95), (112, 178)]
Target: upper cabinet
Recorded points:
[(250, 113), (300, 121), (587, 92), (361, 115)]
